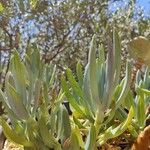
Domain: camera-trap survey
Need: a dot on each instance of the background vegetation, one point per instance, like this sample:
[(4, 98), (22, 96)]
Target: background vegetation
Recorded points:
[(63, 29)]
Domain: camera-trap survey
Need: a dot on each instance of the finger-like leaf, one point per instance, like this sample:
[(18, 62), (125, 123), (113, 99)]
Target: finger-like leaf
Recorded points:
[(86, 88), (91, 139), (101, 54), (126, 86), (47, 138), (78, 123), (74, 144), (52, 77), (141, 111), (79, 136), (146, 80), (37, 94), (71, 99), (11, 135), (21, 5), (144, 91), (101, 76), (117, 61), (112, 132), (110, 70), (65, 123), (79, 74), (74, 84), (19, 73), (92, 73), (14, 100), (6, 105), (77, 90)]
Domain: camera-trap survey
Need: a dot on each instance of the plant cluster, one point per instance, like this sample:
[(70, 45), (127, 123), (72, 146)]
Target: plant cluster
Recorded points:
[(103, 105)]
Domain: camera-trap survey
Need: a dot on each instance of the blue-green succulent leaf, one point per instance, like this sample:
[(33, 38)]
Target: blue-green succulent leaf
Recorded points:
[(19, 73), (91, 139), (13, 136), (92, 73)]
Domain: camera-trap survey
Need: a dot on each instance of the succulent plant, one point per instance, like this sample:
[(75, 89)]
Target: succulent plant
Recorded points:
[(142, 98), (98, 98), (38, 120), (98, 94), (139, 50), (139, 127)]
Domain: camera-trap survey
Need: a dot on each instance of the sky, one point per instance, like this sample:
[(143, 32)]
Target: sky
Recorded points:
[(145, 4)]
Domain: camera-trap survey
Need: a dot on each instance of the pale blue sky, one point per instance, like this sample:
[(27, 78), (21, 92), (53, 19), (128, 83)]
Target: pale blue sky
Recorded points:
[(145, 4)]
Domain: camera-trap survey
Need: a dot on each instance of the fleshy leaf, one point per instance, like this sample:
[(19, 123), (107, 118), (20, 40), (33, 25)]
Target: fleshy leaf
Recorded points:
[(18, 71), (11, 135), (112, 132), (91, 139), (92, 73), (79, 74), (14, 100)]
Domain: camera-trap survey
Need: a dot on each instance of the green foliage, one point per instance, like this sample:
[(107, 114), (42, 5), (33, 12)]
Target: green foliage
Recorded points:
[(140, 102), (32, 111), (63, 29), (142, 99), (98, 98), (33, 3), (100, 95), (113, 132), (1, 7), (91, 139)]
